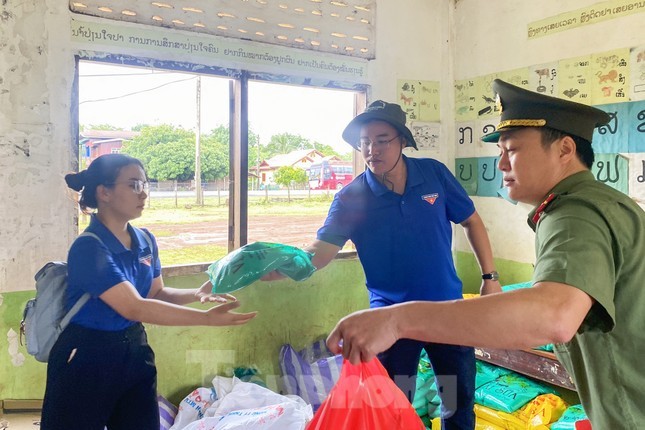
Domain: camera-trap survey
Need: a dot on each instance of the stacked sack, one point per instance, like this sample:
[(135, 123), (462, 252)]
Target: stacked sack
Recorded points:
[(509, 401), (426, 398)]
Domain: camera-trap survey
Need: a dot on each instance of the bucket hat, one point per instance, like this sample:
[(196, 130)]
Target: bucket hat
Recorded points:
[(379, 111)]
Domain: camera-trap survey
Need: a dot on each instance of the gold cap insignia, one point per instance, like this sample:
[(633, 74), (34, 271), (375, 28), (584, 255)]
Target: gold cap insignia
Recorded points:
[(498, 103)]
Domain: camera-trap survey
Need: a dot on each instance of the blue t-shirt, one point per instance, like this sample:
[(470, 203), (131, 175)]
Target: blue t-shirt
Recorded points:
[(404, 242), (94, 267)]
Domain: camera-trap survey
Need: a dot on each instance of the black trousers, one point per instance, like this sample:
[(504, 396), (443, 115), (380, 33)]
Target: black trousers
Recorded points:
[(98, 379)]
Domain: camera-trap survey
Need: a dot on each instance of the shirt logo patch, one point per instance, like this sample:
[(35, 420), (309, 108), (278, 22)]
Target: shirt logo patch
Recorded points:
[(147, 260), (430, 198)]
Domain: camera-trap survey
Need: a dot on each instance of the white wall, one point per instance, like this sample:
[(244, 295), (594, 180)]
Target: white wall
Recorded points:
[(37, 72)]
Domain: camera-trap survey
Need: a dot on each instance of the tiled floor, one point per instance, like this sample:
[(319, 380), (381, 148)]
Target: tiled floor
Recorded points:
[(19, 421)]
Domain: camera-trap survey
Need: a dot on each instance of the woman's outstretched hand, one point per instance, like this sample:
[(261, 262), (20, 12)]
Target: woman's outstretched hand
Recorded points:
[(222, 315), (205, 295)]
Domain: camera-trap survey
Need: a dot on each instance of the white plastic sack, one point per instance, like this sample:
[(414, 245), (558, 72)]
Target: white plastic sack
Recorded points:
[(193, 407), (236, 395), (283, 416), (242, 405)]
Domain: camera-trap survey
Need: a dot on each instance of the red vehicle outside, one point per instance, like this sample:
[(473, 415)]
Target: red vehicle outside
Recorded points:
[(330, 175)]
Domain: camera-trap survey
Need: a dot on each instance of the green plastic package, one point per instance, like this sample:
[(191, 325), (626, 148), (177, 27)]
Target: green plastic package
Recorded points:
[(249, 263), (568, 420)]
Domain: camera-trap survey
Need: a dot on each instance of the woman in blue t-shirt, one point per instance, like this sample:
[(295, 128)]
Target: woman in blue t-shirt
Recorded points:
[(101, 371)]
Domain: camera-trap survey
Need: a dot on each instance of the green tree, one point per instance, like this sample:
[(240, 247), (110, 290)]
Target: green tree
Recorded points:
[(221, 136), (285, 142), (165, 150), (139, 127), (288, 176), (168, 153)]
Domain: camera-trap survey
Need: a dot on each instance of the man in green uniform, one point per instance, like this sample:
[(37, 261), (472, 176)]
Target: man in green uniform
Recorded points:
[(588, 294)]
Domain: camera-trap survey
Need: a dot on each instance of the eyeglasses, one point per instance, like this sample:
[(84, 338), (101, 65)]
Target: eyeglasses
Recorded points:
[(365, 142), (138, 186)]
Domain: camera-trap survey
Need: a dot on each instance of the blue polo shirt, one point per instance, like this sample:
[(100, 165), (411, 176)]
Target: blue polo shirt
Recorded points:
[(94, 267), (404, 242)]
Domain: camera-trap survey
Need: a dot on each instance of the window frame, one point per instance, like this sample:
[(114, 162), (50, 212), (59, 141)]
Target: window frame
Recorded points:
[(238, 121)]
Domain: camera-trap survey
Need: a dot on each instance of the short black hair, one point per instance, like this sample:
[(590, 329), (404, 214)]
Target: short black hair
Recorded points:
[(584, 151)]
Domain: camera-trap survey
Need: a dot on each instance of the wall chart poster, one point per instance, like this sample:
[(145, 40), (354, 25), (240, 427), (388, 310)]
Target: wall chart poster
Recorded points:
[(637, 79), (613, 81), (614, 136), (426, 134), (610, 77), (613, 170), (467, 173), (637, 177), (419, 99), (543, 79), (465, 95), (517, 77), (574, 79)]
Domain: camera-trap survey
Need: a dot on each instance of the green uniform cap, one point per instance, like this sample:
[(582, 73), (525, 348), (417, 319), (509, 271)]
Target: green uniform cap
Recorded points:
[(524, 108)]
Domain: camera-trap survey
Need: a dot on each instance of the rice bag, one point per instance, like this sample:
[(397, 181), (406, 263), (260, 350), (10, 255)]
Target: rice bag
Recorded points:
[(249, 263)]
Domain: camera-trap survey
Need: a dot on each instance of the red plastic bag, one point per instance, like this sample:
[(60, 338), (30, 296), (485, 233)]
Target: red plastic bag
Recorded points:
[(365, 398), (583, 425)]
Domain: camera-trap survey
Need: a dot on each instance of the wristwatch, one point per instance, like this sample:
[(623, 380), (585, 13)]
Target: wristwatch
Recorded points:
[(494, 276)]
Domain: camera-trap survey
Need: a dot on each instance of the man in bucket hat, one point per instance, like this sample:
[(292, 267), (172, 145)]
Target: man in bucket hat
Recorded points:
[(587, 296), (398, 214)]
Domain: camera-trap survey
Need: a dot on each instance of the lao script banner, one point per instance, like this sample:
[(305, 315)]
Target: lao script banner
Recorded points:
[(226, 52), (589, 15)]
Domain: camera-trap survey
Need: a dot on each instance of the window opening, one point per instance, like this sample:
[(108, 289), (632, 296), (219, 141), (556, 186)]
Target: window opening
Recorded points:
[(118, 100), (295, 134)]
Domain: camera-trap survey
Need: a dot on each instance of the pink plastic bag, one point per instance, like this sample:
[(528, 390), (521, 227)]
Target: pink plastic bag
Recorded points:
[(365, 398)]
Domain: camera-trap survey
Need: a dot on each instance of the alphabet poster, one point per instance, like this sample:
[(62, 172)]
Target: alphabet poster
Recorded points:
[(637, 79), (574, 82), (610, 77), (465, 95), (419, 99), (543, 78), (426, 135), (613, 81)]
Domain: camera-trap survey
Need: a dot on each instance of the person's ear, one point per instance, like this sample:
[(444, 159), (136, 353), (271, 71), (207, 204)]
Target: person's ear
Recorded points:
[(567, 148), (103, 193)]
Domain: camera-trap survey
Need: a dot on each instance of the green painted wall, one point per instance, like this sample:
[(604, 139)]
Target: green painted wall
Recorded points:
[(510, 272), (187, 357), (18, 382), (289, 312)]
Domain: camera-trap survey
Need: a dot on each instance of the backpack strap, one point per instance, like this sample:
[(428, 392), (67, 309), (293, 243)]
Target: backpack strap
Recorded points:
[(146, 235), (84, 298)]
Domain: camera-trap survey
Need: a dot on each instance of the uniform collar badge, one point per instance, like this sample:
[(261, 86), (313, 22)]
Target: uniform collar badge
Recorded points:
[(540, 209)]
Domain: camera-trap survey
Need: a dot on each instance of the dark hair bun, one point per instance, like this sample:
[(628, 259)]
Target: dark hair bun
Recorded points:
[(76, 181)]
